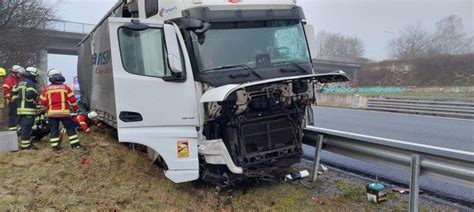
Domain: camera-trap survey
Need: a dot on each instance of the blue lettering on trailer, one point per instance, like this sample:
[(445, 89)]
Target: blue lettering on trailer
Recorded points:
[(101, 58)]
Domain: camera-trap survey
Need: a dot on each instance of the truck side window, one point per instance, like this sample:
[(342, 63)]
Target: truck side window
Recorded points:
[(143, 52), (151, 7)]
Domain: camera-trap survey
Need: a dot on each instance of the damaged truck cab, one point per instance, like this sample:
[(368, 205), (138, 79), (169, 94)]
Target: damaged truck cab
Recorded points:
[(216, 89)]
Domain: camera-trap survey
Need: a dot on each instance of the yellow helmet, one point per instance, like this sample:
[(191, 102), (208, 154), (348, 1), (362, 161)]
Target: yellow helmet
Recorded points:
[(3, 72)]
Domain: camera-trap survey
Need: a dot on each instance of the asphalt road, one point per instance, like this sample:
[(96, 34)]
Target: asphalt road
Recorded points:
[(443, 132)]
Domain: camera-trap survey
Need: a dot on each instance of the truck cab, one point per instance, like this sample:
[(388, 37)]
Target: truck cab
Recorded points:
[(216, 89)]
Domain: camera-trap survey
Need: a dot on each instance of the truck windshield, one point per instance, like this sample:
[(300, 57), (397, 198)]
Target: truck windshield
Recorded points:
[(252, 44)]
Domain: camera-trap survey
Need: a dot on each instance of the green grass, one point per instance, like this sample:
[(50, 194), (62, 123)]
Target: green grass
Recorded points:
[(120, 179), (351, 191)]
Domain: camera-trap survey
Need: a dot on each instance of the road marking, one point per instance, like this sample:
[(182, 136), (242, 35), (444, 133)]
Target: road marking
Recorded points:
[(392, 113)]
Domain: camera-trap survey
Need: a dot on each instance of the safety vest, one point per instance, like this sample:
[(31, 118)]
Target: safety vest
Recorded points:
[(57, 98), (24, 97)]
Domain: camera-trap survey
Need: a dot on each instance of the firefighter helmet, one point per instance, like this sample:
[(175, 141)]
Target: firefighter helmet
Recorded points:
[(92, 115), (3, 72), (18, 69), (30, 71), (53, 72), (55, 76)]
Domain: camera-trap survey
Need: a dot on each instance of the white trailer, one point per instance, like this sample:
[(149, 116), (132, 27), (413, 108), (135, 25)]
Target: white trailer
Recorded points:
[(217, 89)]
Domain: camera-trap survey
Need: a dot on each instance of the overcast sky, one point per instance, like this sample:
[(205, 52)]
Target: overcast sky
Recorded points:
[(374, 21)]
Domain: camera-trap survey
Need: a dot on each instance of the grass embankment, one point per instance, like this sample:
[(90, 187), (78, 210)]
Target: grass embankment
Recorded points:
[(117, 178)]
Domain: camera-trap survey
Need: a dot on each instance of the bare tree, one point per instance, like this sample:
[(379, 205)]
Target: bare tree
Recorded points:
[(412, 42), (450, 38), (335, 45), (21, 34)]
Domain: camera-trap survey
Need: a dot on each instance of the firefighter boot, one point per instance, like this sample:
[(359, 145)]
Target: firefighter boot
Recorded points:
[(76, 146), (27, 145)]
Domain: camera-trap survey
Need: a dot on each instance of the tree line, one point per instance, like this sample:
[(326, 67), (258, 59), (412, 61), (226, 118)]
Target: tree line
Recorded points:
[(449, 38), (21, 37)]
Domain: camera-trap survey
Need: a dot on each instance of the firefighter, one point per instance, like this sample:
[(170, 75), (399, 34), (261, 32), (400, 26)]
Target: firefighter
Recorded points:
[(85, 120), (24, 98), (41, 126), (10, 82), (3, 72), (57, 98)]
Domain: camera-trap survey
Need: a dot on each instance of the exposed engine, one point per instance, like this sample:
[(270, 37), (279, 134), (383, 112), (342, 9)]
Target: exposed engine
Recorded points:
[(261, 125)]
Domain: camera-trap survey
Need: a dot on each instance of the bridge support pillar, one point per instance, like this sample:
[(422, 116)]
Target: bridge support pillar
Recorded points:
[(43, 66)]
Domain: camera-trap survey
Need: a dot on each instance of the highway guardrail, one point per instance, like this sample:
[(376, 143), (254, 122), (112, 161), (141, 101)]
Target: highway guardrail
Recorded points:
[(451, 165), (437, 107)]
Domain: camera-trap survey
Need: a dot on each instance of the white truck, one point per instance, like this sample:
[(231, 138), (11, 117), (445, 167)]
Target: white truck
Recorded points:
[(215, 89)]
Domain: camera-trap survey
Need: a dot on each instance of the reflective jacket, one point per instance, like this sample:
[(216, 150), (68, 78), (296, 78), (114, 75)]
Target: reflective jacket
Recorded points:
[(10, 82), (83, 121), (57, 99), (24, 97)]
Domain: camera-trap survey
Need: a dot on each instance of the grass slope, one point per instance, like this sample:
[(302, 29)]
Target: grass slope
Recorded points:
[(117, 178)]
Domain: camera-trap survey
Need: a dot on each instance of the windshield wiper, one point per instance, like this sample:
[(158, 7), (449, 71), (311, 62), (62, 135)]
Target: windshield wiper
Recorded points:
[(294, 65), (246, 67)]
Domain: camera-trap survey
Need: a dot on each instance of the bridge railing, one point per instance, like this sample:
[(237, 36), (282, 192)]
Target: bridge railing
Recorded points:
[(68, 26), (450, 165)]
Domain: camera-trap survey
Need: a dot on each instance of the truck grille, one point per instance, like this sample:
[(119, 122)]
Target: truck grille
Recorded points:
[(267, 139)]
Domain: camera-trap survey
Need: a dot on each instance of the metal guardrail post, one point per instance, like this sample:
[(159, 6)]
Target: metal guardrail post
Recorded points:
[(317, 157), (450, 165), (414, 182)]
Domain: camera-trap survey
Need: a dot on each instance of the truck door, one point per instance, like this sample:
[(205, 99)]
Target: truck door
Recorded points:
[(155, 94)]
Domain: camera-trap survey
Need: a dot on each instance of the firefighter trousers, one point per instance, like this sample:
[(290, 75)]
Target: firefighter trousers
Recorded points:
[(70, 126), (12, 118), (26, 124)]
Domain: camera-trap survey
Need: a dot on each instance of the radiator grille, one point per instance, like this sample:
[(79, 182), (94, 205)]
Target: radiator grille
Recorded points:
[(266, 135)]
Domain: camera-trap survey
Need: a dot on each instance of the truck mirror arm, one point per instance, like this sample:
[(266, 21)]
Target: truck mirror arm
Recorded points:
[(135, 24)]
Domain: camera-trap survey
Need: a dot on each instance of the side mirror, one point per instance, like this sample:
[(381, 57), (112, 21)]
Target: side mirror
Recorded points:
[(173, 49)]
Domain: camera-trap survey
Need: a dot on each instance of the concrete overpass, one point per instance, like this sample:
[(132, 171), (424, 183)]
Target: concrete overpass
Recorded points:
[(63, 36), (64, 43)]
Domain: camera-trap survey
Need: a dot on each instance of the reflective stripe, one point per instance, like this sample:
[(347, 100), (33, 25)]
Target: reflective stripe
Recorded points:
[(25, 142), (13, 128), (6, 86), (63, 100), (58, 112), (70, 95), (23, 99), (25, 145), (63, 130), (54, 144), (32, 89), (26, 111), (75, 141), (53, 140), (82, 123), (73, 137)]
